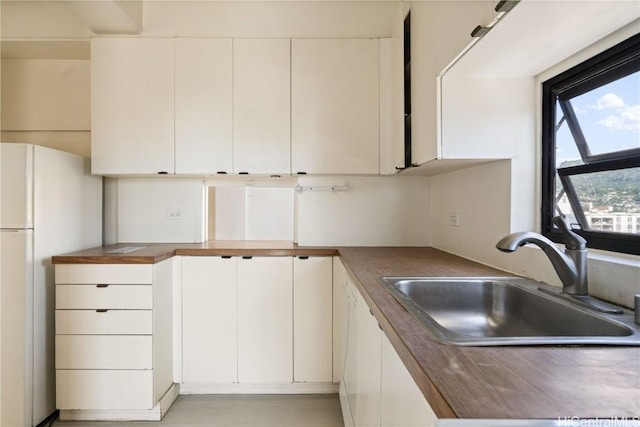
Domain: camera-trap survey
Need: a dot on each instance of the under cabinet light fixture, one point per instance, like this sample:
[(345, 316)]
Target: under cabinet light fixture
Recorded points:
[(337, 188)]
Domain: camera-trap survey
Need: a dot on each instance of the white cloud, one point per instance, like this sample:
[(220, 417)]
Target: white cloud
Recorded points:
[(627, 118), (609, 100)]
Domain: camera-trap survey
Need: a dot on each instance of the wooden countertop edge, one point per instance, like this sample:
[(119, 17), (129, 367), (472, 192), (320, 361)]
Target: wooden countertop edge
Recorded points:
[(161, 254)]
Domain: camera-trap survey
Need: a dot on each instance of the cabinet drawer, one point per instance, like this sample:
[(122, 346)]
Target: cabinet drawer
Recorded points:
[(92, 274), (117, 322), (104, 352), (104, 297), (104, 389)]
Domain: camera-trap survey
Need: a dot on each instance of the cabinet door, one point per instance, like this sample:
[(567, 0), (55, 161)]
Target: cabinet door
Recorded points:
[(265, 311), (312, 319), (335, 106), (132, 102), (340, 314), (439, 32), (261, 106), (368, 369), (350, 371), (204, 105), (209, 343), (402, 404)]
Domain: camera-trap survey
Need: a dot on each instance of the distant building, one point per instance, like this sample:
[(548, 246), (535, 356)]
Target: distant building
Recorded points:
[(618, 222), (603, 218)]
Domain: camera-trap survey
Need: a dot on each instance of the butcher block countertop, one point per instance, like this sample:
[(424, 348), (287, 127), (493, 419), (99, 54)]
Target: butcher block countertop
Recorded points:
[(152, 253), (520, 382)]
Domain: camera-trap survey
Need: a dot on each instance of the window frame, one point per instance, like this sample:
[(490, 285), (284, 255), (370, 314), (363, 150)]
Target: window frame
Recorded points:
[(597, 71)]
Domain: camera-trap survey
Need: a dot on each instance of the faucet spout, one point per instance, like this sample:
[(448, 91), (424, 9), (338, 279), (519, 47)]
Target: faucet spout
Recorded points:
[(571, 266)]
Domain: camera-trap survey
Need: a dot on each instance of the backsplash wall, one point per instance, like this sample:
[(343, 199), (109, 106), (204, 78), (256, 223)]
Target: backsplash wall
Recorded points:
[(375, 211)]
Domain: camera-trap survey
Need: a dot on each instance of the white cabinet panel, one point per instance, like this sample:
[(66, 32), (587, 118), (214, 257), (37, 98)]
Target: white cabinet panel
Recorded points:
[(312, 319), (340, 312), (132, 105), (93, 274), (203, 105), (261, 106), (335, 106), (439, 32), (265, 310), (368, 369), (402, 404), (104, 297), (104, 352), (350, 371), (209, 322), (88, 322), (104, 389)]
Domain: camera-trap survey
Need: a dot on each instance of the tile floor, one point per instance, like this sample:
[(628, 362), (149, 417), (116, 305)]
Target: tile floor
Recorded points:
[(241, 411)]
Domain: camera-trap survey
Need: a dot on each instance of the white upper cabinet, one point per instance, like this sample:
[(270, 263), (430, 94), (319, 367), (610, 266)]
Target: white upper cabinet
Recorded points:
[(261, 106), (203, 105), (335, 106), (132, 103), (439, 32)]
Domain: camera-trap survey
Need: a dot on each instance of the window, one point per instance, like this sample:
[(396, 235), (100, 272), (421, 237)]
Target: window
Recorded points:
[(591, 149)]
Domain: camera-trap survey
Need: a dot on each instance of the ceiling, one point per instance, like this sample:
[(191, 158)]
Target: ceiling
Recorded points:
[(32, 28)]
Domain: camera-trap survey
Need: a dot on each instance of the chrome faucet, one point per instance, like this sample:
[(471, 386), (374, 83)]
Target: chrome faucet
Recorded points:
[(571, 265)]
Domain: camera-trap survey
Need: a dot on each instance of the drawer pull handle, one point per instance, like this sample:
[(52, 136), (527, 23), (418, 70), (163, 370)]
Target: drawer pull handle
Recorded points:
[(102, 285), (101, 310)]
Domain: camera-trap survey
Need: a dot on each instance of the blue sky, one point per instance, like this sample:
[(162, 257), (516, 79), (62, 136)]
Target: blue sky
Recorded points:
[(609, 117)]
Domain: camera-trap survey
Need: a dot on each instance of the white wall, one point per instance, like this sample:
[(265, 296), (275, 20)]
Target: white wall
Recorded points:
[(375, 211), (479, 196), (47, 102), (143, 205), (254, 212)]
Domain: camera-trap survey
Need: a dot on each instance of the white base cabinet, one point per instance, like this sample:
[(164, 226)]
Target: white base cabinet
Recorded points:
[(367, 411), (265, 329), (209, 320), (401, 401), (257, 325), (312, 319), (109, 358), (376, 389)]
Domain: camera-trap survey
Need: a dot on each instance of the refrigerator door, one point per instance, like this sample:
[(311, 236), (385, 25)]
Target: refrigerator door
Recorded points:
[(16, 299), (16, 181)]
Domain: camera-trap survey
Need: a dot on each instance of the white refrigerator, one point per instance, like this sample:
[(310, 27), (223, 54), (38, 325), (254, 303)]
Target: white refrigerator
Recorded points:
[(49, 204)]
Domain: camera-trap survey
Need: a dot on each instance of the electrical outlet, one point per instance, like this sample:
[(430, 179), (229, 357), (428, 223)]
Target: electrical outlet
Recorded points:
[(454, 219), (174, 213)]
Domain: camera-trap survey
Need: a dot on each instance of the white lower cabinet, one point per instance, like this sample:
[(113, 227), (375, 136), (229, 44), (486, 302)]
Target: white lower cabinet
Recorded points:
[(209, 320), (113, 354), (367, 368), (265, 329), (401, 401), (377, 390), (312, 319), (256, 324)]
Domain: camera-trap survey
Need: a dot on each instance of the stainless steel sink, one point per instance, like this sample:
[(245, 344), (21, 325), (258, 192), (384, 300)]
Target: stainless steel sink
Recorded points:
[(506, 311)]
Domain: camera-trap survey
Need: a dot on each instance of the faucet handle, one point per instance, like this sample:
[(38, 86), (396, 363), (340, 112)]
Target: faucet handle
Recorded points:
[(572, 240)]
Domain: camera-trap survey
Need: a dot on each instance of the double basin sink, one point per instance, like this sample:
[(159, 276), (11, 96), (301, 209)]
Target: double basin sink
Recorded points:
[(507, 311)]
